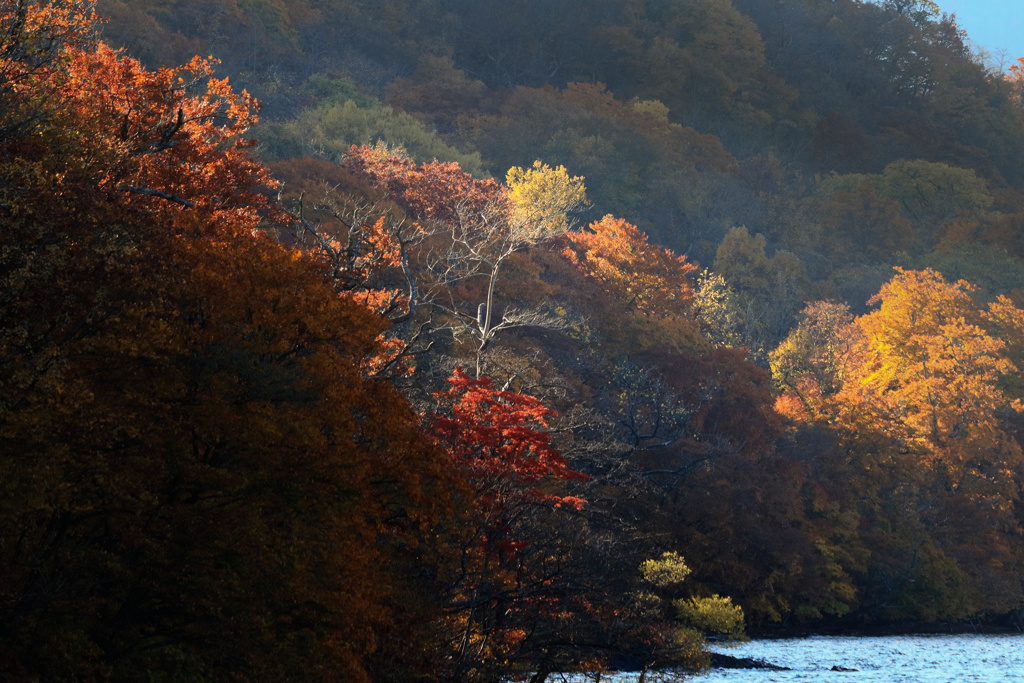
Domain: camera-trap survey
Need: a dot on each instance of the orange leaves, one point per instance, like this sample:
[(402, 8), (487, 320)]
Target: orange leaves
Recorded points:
[(951, 391), (650, 285), (922, 369), (185, 394), (156, 140), (204, 408), (924, 433), (32, 34), (918, 301), (928, 359), (1016, 80), (111, 127), (639, 274)]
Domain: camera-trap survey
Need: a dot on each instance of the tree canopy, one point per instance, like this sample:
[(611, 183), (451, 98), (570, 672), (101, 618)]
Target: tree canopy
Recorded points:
[(472, 342)]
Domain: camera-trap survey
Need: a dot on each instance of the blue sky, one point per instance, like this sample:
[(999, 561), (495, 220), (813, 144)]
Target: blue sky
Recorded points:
[(991, 24)]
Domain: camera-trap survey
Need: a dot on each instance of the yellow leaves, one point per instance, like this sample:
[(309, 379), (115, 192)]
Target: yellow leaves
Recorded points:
[(712, 615), (653, 108), (666, 571), (922, 380), (921, 369), (540, 198), (908, 329)]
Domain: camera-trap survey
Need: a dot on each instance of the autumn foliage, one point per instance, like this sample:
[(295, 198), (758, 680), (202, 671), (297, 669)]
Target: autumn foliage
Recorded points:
[(197, 476), (498, 438), (505, 588), (432, 191), (640, 274), (915, 393), (237, 439)]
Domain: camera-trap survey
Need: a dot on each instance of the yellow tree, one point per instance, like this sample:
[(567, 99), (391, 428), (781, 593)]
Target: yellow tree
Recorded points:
[(913, 394), (476, 226), (933, 369), (938, 374), (534, 209)]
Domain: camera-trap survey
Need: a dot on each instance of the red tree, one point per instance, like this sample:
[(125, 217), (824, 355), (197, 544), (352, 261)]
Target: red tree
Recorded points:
[(510, 581)]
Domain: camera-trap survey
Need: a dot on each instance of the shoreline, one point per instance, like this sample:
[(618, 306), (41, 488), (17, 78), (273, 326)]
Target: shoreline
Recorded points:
[(775, 632)]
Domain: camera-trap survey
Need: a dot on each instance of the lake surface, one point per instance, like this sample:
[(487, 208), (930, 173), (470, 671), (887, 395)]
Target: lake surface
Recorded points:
[(887, 659)]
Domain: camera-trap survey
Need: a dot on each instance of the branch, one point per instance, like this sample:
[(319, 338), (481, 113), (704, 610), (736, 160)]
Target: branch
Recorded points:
[(514, 317), (172, 128), (157, 193)]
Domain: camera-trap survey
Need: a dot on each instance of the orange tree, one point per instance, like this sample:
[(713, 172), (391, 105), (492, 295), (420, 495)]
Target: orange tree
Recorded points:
[(919, 401), (650, 285), (695, 437), (196, 474)]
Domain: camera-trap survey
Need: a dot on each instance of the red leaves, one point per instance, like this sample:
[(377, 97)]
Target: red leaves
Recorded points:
[(508, 586), (497, 437), (435, 191)]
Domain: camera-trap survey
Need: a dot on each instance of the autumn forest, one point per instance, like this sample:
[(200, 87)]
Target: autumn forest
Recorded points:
[(450, 340)]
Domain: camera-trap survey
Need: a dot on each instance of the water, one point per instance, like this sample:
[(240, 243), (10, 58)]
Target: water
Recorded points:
[(888, 659)]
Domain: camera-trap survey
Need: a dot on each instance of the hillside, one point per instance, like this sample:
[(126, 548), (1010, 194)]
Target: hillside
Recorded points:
[(506, 339)]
